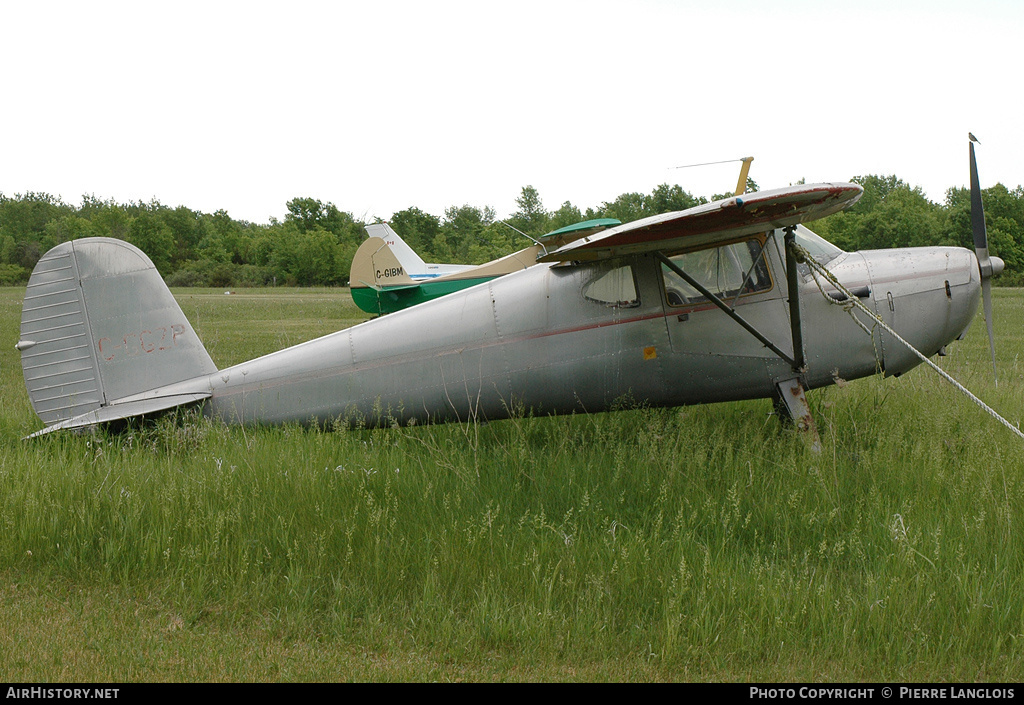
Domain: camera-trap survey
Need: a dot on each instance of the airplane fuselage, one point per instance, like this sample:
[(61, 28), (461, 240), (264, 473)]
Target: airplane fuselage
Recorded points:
[(589, 337)]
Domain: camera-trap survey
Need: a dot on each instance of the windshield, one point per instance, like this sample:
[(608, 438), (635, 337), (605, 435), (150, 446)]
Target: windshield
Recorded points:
[(820, 248)]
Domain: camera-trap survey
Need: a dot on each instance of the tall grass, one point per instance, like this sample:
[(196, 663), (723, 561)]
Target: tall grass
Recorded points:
[(707, 541)]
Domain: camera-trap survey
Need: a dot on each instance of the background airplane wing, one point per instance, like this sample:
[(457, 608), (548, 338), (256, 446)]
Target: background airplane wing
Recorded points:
[(713, 222)]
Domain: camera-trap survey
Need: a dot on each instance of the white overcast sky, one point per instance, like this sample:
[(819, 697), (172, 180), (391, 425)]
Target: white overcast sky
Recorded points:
[(377, 106)]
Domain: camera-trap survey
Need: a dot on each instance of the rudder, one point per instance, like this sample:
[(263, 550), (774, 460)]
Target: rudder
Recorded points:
[(99, 325), (411, 262), (375, 265)]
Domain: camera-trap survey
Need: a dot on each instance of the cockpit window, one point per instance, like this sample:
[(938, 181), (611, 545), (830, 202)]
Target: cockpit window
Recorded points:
[(614, 287), (821, 249), (728, 271)]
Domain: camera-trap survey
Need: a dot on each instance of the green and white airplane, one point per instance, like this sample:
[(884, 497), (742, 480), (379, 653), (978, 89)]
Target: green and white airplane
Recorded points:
[(388, 276)]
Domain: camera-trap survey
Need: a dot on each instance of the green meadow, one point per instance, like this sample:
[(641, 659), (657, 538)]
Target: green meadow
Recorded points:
[(692, 544)]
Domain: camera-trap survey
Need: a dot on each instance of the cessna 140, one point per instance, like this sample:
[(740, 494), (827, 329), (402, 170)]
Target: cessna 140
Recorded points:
[(639, 310)]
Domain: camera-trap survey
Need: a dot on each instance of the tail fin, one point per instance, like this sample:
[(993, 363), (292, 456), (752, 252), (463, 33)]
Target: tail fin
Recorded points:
[(411, 262), (375, 265), (98, 327)]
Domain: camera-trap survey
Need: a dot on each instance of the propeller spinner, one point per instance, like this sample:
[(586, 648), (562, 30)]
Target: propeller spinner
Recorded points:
[(987, 264)]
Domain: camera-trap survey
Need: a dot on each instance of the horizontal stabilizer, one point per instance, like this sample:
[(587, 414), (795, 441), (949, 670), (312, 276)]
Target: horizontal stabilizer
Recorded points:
[(126, 410)]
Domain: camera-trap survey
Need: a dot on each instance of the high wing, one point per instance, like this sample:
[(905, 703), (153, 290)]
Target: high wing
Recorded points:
[(712, 223)]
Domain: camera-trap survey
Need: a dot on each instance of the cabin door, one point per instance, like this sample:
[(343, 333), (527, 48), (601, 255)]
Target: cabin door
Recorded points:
[(720, 356)]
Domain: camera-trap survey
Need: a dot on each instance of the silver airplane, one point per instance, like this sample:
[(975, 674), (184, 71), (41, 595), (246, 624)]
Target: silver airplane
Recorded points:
[(709, 304)]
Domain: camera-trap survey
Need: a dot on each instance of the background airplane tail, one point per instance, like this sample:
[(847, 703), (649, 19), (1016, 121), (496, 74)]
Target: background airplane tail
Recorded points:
[(375, 265), (411, 262), (98, 329)]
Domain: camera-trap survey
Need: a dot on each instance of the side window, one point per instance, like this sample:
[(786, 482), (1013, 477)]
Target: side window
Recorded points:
[(728, 271), (614, 287)]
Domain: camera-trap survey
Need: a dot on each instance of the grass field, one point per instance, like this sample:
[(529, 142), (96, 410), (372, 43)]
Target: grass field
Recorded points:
[(702, 543)]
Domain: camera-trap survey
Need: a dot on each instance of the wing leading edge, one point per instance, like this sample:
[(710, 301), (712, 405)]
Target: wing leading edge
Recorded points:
[(714, 222)]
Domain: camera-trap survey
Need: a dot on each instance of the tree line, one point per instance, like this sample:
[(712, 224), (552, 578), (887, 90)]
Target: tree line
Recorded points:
[(315, 242)]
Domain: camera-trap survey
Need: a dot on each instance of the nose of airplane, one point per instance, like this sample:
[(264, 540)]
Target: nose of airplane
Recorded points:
[(928, 295)]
